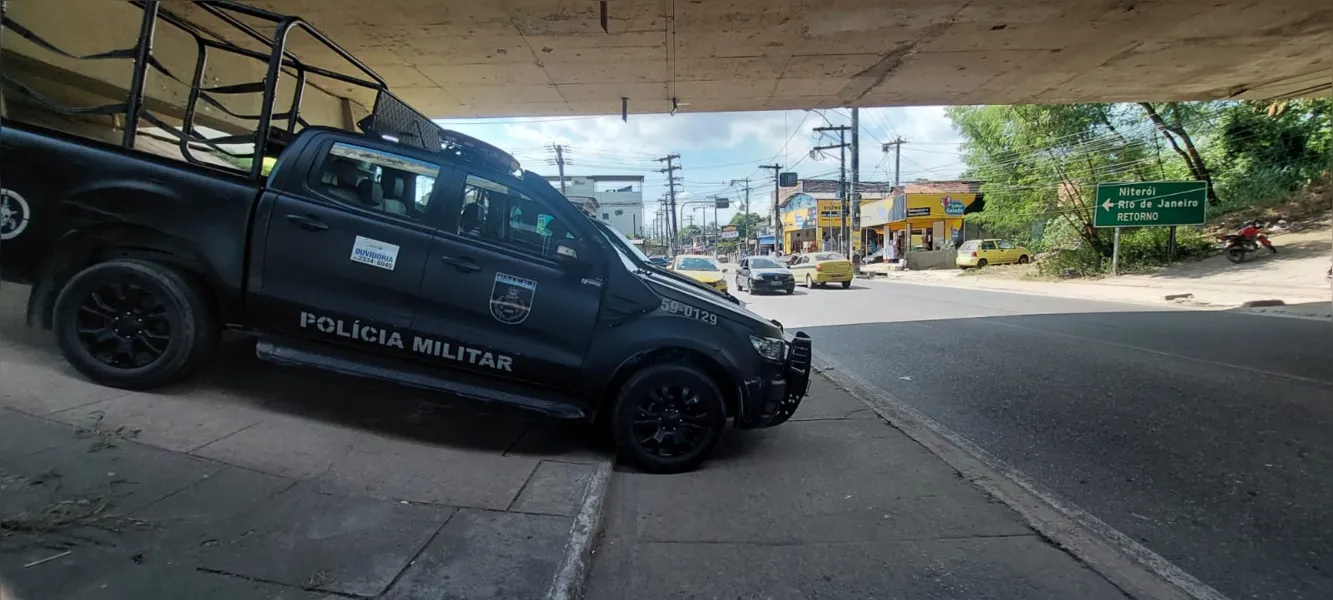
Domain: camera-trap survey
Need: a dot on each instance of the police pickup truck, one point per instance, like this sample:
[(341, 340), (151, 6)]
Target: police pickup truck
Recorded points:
[(446, 270)]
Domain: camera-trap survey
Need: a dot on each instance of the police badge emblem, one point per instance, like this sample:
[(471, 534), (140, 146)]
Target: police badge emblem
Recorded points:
[(14, 214), (511, 298)]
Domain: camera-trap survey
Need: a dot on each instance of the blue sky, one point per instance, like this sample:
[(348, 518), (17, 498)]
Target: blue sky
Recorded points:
[(716, 148)]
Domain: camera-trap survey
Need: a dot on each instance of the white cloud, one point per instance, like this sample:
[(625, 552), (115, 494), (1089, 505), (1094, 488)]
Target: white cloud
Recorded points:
[(718, 147)]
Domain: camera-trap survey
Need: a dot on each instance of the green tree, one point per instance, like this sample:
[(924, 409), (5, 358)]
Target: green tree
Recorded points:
[(689, 232), (747, 224), (1040, 163)]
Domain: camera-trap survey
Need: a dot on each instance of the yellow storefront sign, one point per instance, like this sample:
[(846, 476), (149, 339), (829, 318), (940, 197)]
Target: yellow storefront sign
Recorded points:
[(830, 213)]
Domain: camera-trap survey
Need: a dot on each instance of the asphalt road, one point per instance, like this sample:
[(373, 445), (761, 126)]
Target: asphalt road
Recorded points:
[(1205, 435)]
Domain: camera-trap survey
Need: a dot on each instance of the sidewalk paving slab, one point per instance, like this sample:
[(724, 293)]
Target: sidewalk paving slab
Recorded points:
[(839, 506), (334, 543), (509, 555)]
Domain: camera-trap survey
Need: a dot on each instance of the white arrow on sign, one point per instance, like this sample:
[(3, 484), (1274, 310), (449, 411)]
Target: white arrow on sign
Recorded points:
[(1107, 205)]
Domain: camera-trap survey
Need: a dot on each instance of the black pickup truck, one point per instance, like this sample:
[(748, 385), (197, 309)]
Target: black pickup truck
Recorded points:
[(443, 270)]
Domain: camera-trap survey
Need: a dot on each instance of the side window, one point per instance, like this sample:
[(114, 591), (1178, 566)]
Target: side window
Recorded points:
[(376, 180), (1005, 245), (502, 215), (987, 245)]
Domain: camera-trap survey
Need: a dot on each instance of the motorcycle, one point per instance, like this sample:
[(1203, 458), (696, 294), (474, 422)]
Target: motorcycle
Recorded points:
[(1238, 245)]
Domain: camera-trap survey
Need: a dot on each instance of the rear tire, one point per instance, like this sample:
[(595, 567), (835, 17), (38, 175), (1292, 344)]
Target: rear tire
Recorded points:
[(668, 418), (981, 263), (1236, 255), (134, 324), (809, 283), (846, 284)]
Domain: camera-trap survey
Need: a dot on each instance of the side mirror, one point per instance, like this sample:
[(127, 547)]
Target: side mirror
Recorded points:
[(573, 255)]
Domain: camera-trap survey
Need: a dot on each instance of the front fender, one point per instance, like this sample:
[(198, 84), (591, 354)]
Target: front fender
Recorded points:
[(615, 349)]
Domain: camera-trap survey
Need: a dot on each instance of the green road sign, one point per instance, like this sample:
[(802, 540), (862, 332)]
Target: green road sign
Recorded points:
[(1150, 204)]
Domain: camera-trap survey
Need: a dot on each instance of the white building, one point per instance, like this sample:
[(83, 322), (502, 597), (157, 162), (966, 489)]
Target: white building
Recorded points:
[(619, 197)]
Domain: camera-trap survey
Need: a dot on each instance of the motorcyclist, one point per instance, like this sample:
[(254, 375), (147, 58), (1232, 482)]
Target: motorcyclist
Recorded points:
[(1253, 231)]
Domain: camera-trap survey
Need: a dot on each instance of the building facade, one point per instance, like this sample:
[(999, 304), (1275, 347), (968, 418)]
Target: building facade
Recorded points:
[(923, 216), (619, 199), (811, 213)]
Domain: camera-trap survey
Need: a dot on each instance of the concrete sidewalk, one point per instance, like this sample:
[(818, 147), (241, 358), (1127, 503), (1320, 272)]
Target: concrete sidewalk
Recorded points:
[(835, 503), (1295, 276), (257, 481)]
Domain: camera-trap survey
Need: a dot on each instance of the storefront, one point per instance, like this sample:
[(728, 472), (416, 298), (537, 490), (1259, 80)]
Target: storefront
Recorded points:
[(810, 224), (931, 221)]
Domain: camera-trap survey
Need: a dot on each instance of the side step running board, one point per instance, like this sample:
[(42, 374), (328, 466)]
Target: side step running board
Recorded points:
[(292, 353)]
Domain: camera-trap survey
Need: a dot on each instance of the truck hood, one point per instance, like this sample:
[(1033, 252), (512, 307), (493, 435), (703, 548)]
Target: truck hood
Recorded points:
[(693, 293)]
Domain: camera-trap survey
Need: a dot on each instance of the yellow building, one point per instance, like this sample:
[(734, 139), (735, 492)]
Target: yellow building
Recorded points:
[(812, 213), (930, 212)]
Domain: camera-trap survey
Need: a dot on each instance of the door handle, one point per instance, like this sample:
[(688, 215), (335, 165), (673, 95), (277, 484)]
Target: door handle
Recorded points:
[(463, 263), (308, 223)]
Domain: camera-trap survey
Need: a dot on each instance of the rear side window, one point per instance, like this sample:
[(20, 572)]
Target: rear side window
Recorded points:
[(376, 180), (987, 245), (969, 246)]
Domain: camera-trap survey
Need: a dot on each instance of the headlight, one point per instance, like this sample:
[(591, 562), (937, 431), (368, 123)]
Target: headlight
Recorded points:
[(770, 348)]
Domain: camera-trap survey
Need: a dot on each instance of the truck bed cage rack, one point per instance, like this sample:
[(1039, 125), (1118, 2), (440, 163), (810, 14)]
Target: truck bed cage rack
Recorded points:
[(390, 118)]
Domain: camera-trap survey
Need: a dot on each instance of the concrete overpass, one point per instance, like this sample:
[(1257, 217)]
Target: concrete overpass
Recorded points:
[(574, 57)]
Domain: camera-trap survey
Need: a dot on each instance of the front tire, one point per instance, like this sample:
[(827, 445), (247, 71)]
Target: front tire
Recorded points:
[(1023, 260), (809, 283), (668, 418), (134, 324)]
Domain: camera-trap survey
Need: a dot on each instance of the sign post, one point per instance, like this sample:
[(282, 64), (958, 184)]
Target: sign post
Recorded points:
[(1115, 254)]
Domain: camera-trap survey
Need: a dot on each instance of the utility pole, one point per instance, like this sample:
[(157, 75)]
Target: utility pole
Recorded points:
[(777, 219), (842, 172), (897, 158), (670, 170), (745, 211), (560, 165), (853, 201)]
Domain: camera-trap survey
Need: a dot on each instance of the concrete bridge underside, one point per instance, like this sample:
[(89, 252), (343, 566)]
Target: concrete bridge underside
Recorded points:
[(572, 57)]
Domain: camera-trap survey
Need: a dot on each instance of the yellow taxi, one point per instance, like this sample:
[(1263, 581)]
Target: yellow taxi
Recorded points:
[(703, 269), (822, 268), (979, 253)]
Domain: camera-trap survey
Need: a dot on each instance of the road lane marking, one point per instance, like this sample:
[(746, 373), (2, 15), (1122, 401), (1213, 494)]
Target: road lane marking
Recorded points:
[(1137, 571)]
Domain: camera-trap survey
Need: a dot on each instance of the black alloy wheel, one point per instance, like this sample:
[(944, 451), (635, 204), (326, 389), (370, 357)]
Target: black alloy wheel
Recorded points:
[(123, 325), (134, 324), (669, 417)]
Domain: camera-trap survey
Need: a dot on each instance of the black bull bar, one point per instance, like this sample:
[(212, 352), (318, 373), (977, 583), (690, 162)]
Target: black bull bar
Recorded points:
[(774, 402)]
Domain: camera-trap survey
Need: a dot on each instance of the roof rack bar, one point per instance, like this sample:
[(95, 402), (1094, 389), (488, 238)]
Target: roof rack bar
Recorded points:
[(217, 6), (134, 105), (270, 92)]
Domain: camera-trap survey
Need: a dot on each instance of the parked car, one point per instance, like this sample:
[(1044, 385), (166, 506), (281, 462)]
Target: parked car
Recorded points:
[(764, 274), (823, 268), (450, 271), (979, 253), (704, 269), (659, 261)]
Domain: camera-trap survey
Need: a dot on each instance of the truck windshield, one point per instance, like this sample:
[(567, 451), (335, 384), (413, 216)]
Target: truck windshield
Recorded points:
[(622, 243)]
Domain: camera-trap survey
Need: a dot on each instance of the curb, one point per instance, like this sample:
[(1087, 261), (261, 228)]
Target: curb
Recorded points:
[(567, 584), (1135, 570)]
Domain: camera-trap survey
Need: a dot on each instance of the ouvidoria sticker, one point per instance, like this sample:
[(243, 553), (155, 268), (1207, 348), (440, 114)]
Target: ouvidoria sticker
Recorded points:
[(375, 253), (511, 298)]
